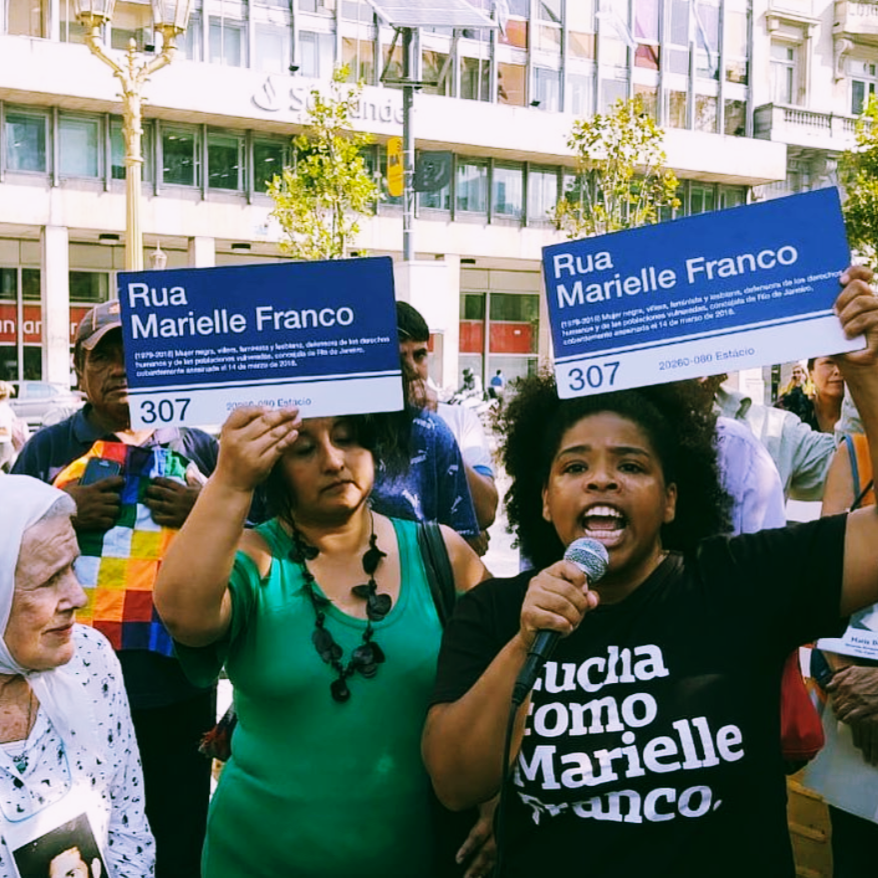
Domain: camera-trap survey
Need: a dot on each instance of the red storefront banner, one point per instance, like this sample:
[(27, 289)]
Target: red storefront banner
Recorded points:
[(506, 338), (32, 326), (472, 336), (513, 338)]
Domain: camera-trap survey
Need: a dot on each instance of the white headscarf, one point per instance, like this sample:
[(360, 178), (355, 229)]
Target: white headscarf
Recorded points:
[(23, 501)]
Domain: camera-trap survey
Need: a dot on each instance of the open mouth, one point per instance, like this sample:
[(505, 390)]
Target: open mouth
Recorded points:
[(604, 523)]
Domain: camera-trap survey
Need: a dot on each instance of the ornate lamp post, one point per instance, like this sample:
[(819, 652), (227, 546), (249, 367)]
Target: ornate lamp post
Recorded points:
[(171, 18)]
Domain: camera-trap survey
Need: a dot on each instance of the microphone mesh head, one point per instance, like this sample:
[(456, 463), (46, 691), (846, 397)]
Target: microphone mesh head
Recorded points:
[(590, 556)]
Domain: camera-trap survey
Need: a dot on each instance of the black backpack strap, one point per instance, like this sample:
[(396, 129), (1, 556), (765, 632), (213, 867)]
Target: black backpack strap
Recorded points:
[(437, 565)]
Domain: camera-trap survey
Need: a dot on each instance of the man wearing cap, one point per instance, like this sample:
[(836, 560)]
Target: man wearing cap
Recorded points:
[(169, 714)]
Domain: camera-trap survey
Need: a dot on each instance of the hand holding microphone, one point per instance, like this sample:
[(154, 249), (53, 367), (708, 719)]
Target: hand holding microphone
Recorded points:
[(560, 592)]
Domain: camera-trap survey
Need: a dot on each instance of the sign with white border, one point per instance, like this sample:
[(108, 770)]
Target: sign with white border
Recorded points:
[(719, 292), (317, 336)]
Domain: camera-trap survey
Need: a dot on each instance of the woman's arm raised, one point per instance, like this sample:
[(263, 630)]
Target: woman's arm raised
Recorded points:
[(191, 592), (857, 309)]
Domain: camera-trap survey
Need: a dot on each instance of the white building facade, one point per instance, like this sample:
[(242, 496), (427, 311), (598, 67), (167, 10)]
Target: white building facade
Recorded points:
[(757, 98)]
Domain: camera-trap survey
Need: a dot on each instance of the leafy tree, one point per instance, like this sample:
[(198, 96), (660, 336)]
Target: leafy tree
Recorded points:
[(858, 173), (320, 201), (621, 177)]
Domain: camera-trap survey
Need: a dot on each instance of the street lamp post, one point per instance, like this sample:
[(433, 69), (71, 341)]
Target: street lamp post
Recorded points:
[(171, 18)]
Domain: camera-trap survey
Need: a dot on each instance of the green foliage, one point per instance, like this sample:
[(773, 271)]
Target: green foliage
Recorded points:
[(858, 173), (621, 177), (320, 201)]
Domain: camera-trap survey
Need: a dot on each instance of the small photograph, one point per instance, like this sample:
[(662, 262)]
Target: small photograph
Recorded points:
[(866, 620), (67, 851)]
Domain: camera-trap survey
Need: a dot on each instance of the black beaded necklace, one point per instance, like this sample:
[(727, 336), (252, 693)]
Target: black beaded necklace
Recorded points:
[(368, 655)]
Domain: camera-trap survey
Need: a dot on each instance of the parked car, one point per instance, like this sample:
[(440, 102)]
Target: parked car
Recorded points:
[(41, 403)]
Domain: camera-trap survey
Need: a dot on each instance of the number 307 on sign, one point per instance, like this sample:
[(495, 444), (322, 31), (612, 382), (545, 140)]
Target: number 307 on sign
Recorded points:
[(575, 379)]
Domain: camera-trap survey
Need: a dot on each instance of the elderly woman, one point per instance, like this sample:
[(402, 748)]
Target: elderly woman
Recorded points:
[(68, 755)]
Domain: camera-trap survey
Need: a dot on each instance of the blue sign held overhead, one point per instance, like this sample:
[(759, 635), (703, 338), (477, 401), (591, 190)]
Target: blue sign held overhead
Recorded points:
[(319, 336), (718, 292)]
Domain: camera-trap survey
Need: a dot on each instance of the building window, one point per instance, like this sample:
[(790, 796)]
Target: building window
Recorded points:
[(646, 34), (436, 69), (511, 84), (357, 10), (440, 199), (225, 162), (648, 95), (612, 91), (117, 151), (358, 56), (316, 54), (26, 136), (131, 21), (736, 53), (181, 156), (272, 48), (26, 18), (542, 194), (580, 94), (515, 33), (89, 286), (471, 192), (547, 89), (325, 7), (513, 333), (732, 196), (472, 332), (783, 73), (81, 147), (227, 42), (706, 27), (677, 106), (581, 29), (391, 66), (547, 35), (702, 198), (507, 191), (735, 118), (705, 113), (18, 287), (677, 54), (189, 43), (71, 31), (863, 78), (475, 79), (269, 158)]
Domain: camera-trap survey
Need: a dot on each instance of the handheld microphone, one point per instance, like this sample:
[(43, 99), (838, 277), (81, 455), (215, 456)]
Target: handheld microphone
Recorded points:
[(591, 557)]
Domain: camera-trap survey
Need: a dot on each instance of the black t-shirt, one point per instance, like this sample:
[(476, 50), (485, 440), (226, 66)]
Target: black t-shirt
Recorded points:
[(652, 740)]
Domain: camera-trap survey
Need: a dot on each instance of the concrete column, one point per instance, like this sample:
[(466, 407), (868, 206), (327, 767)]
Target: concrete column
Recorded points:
[(55, 294), (202, 252)]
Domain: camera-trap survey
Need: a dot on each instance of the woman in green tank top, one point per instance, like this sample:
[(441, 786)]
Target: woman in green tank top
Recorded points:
[(324, 620)]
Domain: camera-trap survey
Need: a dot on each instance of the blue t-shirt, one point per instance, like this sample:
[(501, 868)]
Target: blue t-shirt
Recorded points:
[(435, 487)]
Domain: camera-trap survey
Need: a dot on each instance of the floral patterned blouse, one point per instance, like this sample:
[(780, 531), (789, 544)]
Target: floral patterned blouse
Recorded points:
[(47, 770)]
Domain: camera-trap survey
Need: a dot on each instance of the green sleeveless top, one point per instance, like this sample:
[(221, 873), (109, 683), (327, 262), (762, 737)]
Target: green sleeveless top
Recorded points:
[(317, 788)]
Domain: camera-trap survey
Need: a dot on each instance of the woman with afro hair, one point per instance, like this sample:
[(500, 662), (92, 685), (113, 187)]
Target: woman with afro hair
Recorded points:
[(650, 742)]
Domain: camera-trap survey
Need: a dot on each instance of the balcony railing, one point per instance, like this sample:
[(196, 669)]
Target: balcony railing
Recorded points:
[(800, 127)]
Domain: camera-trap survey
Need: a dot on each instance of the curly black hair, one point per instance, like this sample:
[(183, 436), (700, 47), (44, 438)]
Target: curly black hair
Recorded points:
[(680, 424), (387, 435)]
